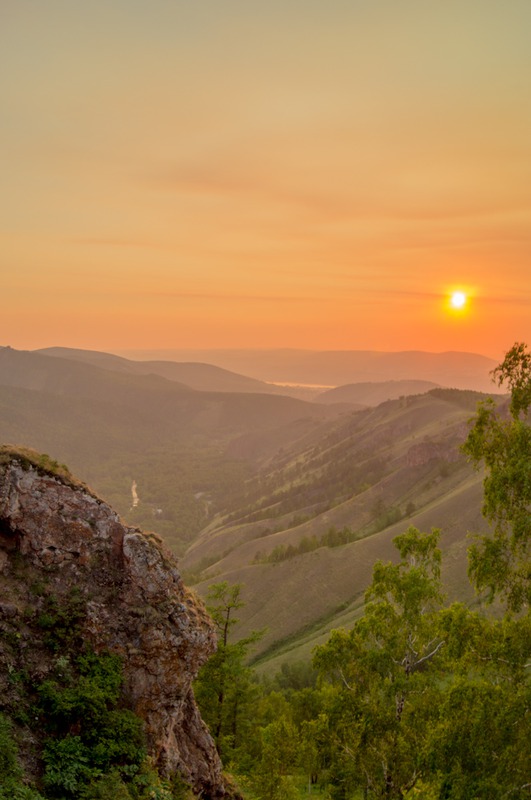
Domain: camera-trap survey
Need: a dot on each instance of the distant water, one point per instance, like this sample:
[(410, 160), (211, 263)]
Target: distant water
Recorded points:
[(301, 385)]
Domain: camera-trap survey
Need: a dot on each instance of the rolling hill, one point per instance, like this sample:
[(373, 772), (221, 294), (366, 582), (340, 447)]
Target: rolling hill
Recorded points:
[(309, 527), (165, 403), (203, 377), (374, 392)]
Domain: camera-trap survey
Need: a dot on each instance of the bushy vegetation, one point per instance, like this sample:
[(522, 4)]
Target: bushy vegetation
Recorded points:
[(332, 538), (418, 699), (93, 748)]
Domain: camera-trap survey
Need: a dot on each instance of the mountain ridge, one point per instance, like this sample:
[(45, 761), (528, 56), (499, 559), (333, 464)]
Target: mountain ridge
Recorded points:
[(372, 393), (452, 369), (195, 375)]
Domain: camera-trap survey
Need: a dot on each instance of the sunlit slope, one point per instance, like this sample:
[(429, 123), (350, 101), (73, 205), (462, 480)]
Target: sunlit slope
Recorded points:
[(383, 469)]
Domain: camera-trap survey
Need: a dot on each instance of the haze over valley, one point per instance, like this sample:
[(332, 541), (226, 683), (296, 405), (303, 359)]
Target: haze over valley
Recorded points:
[(295, 499)]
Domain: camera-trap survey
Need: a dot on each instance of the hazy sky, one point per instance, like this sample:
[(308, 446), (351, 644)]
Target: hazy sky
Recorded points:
[(235, 173)]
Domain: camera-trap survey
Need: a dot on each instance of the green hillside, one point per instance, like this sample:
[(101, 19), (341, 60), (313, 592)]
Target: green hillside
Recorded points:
[(311, 524)]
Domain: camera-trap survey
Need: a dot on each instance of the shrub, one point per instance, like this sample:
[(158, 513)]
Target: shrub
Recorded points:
[(67, 766), (91, 734), (8, 752), (11, 787)]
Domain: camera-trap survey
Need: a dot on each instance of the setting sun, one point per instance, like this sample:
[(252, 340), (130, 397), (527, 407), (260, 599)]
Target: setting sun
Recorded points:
[(458, 300)]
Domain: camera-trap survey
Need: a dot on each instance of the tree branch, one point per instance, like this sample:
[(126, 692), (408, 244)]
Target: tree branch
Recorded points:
[(427, 657)]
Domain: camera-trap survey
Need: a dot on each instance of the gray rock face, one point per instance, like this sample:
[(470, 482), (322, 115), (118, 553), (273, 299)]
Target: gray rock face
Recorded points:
[(136, 606)]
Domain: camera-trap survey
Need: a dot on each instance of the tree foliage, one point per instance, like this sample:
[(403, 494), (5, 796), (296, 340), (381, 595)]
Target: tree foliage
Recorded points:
[(501, 440), (384, 669), (225, 689)]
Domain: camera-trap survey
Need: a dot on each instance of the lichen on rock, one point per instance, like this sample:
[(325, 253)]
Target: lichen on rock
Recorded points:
[(58, 536)]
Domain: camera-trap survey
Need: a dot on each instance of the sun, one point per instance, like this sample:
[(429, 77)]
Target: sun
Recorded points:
[(458, 300)]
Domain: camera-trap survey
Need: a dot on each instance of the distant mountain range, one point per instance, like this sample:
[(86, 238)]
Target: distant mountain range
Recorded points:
[(211, 378), (330, 368)]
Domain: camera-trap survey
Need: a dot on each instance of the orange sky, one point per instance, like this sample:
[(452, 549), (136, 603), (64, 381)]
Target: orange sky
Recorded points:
[(181, 174)]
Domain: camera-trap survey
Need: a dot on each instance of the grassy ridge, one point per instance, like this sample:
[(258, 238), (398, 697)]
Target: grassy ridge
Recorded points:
[(412, 474)]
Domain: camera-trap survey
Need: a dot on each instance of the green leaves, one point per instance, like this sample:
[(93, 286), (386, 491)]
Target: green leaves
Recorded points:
[(222, 601), (68, 765), (224, 689), (9, 767), (386, 670), (401, 595), (89, 734), (432, 697), (499, 564), (515, 370), (479, 746)]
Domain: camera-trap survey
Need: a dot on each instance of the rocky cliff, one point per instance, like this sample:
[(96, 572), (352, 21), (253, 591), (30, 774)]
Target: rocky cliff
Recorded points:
[(56, 538)]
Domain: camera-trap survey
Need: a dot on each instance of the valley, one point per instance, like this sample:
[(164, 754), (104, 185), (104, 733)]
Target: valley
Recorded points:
[(293, 499)]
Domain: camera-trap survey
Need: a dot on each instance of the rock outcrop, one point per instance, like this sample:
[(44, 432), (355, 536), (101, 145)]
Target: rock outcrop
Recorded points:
[(55, 533)]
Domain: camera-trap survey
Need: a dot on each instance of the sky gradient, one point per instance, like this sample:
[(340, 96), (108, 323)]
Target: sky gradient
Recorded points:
[(198, 173)]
